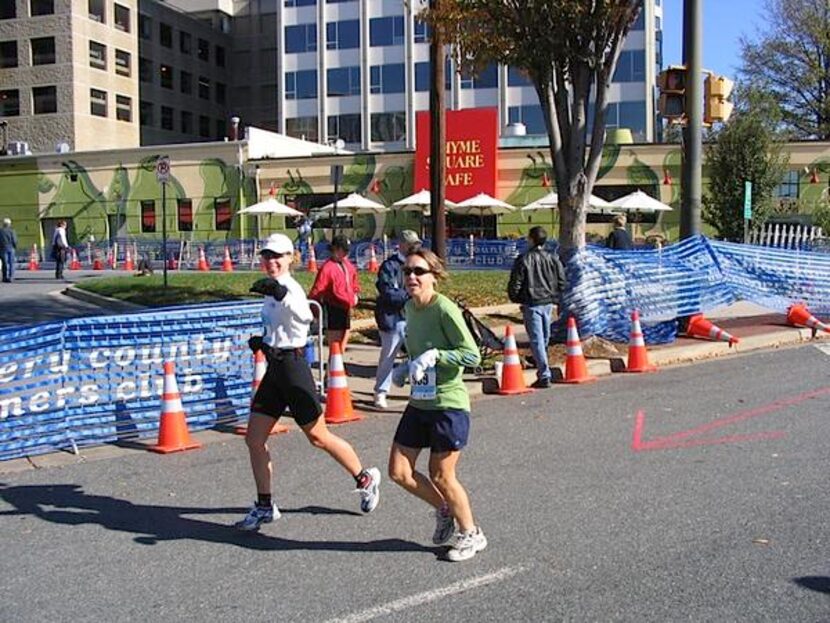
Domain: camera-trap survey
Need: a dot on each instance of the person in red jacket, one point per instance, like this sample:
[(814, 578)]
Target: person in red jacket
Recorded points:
[(336, 288)]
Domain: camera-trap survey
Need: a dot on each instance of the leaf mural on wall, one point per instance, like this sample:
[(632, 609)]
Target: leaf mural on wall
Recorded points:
[(610, 155), (672, 164), (145, 187), (358, 174), (77, 198), (531, 180), (641, 175)]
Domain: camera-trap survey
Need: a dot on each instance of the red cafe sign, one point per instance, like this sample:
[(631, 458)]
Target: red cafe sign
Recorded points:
[(472, 150)]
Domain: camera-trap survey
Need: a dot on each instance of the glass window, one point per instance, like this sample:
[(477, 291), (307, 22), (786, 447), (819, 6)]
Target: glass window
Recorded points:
[(41, 7), (98, 102), (148, 216), (145, 113), (166, 73), (145, 27), (8, 9), (343, 81), (221, 93), (186, 122), (204, 126), (387, 78), (204, 88), (531, 116), (301, 38), (8, 53), (423, 76), (640, 22), (295, 3), (220, 129), (44, 100), (488, 78), (97, 10), (301, 84), (122, 18), (123, 63), (145, 69), (186, 82), (43, 51), (166, 118), (302, 127), (631, 66), (184, 210), (185, 42), (97, 55), (518, 78), (632, 115), (389, 126), (386, 30), (789, 186), (123, 108), (343, 35), (9, 103), (338, 1), (347, 127), (204, 50), (223, 214), (165, 35), (220, 56), (421, 32)]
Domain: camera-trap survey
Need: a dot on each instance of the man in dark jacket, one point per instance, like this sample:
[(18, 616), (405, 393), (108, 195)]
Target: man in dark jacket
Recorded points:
[(392, 296), (8, 248), (536, 282), (619, 238)]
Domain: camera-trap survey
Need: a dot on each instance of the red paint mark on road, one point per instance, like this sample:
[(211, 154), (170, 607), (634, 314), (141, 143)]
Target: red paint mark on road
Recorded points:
[(681, 439)]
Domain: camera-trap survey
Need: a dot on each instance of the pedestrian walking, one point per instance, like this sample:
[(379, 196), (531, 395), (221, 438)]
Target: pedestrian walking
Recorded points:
[(8, 250), (60, 247), (392, 296), (536, 282), (337, 288), (438, 414), (619, 238), (286, 316)]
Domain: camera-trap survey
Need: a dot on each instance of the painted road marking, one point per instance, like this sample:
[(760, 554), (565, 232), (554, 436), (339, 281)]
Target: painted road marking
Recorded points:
[(434, 595), (825, 348), (682, 439)]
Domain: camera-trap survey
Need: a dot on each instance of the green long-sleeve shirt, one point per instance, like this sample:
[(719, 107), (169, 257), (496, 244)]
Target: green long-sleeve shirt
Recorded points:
[(440, 325)]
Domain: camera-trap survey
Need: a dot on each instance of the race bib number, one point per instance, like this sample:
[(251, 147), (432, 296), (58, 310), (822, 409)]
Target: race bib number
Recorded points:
[(425, 389)]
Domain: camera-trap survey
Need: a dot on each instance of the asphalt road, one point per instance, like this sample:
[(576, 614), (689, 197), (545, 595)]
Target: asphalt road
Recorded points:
[(695, 494)]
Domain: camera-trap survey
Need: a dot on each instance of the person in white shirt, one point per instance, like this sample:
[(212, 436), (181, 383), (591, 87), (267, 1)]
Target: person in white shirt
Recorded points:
[(60, 246), (286, 316)]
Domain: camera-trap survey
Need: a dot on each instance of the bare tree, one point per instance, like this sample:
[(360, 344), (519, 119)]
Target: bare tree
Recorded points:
[(569, 50), (790, 61)]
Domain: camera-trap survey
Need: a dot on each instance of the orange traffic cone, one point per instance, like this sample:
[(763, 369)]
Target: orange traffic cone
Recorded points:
[(798, 314), (96, 263), (512, 377), (338, 399), (34, 264), (227, 263), (75, 264), (128, 260), (576, 368), (312, 259), (112, 260), (173, 435), (260, 366), (637, 354), (698, 326), (202, 266), (373, 266), (172, 263)]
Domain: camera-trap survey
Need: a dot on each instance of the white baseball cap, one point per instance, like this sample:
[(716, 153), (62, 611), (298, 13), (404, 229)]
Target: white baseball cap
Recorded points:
[(278, 243)]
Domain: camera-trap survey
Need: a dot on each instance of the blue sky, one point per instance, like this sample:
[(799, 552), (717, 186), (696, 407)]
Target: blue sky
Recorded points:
[(724, 21)]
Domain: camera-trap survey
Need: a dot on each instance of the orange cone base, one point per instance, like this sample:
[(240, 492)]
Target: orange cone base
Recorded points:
[(334, 418), (583, 379), (513, 379), (339, 409), (646, 368), (173, 435), (193, 445)]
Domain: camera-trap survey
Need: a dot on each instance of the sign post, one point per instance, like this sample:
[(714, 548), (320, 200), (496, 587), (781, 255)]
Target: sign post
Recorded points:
[(163, 176), (747, 209)]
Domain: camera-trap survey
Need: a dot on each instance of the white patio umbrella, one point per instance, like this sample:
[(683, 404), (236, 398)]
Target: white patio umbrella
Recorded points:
[(271, 206), (482, 204), (551, 200), (419, 202), (355, 204), (638, 200)]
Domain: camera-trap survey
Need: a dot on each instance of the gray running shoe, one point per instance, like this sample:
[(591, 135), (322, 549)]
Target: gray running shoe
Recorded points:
[(444, 526), (467, 545), (257, 516), (370, 493)]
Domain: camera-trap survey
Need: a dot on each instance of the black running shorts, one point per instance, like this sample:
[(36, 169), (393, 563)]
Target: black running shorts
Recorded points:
[(337, 318), (288, 383)]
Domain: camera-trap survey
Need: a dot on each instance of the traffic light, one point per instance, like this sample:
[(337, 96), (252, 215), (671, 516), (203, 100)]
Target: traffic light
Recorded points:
[(672, 84), (716, 90)]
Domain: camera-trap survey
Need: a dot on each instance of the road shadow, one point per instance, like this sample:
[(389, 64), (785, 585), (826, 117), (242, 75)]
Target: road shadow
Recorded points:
[(69, 505), (818, 583)]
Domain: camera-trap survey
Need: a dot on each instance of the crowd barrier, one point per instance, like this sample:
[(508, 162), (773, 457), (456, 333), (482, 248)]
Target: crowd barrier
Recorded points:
[(89, 381)]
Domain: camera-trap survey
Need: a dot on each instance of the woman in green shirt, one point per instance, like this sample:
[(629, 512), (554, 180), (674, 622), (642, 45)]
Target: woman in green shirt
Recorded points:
[(438, 414)]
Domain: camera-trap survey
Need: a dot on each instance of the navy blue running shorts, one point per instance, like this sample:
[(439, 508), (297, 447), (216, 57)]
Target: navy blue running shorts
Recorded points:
[(288, 383), (441, 430)]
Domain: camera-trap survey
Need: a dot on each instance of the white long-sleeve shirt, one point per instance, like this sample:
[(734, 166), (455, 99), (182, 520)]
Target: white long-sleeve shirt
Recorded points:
[(59, 238), (286, 322)]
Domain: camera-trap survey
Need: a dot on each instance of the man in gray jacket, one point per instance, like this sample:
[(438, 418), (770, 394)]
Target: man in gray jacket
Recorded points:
[(8, 248), (536, 282)]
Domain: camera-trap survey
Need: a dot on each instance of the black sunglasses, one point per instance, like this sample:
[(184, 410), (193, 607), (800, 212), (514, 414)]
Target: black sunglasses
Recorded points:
[(270, 255), (418, 271)]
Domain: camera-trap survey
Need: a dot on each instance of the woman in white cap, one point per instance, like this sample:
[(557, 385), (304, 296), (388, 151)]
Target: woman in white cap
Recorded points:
[(288, 382)]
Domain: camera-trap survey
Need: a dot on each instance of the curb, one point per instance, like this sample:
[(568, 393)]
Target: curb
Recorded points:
[(104, 302)]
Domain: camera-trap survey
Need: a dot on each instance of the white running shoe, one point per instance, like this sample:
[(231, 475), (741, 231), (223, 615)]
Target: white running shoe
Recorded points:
[(370, 493), (380, 401), (444, 526), (467, 545), (257, 516)]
